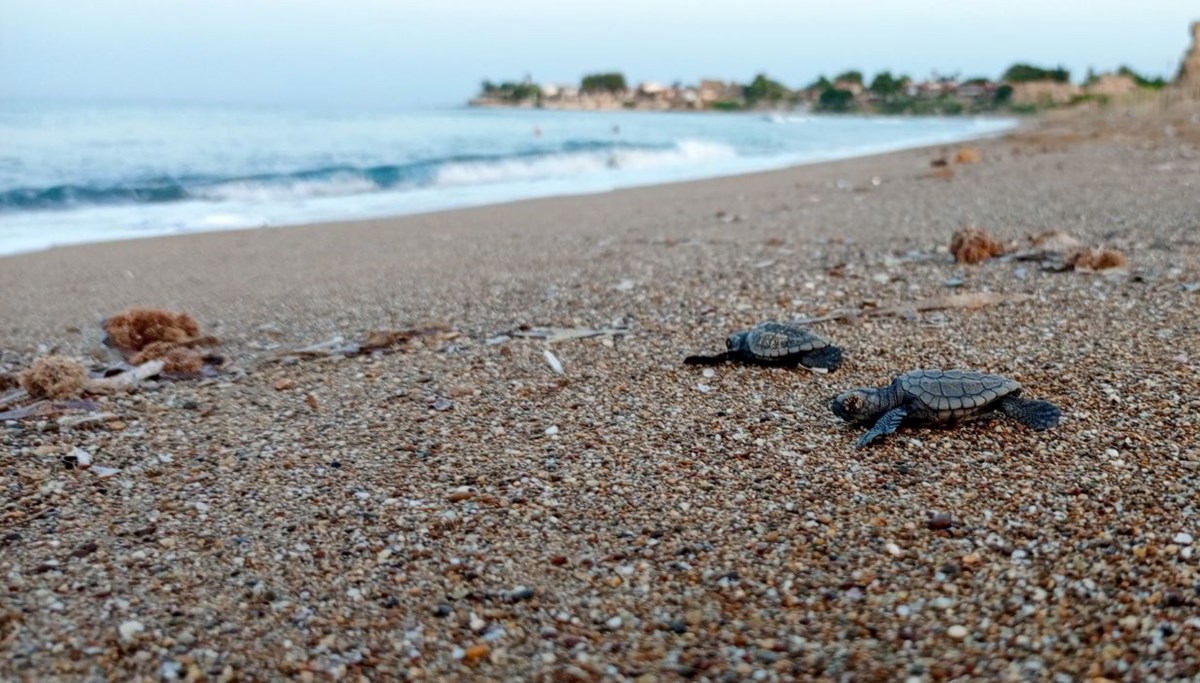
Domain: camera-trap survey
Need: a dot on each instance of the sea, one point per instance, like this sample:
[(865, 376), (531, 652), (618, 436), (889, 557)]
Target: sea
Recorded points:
[(72, 173)]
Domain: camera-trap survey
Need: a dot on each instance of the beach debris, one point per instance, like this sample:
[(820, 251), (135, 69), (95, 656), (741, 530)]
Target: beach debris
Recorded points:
[(554, 335), (143, 335), (138, 328), (973, 245), (553, 362), (73, 421), (377, 340), (941, 173), (51, 408), (1096, 259), (1054, 240), (8, 381), (180, 358), (625, 285), (939, 162), (1190, 287), (54, 377), (126, 380), (968, 155), (77, 458), (382, 339), (966, 300), (104, 472)]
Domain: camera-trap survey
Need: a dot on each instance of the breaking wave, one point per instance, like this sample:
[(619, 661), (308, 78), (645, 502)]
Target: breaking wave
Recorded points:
[(571, 159)]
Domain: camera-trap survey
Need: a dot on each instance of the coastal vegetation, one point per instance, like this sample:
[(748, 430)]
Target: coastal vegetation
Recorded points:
[(1021, 88)]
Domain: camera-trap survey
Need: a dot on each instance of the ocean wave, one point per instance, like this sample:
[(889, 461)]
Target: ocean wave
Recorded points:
[(569, 159)]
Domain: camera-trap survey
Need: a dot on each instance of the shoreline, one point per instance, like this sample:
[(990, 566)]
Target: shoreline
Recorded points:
[(1014, 125)]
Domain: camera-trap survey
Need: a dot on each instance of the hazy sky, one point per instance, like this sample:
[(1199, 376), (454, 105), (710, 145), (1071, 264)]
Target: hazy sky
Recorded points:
[(399, 52)]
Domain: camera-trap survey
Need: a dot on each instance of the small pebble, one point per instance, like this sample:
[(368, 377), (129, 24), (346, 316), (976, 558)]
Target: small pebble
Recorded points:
[(957, 632)]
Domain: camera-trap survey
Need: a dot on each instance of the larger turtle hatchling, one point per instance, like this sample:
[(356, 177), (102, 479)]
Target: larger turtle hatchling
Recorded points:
[(940, 396), (779, 344)]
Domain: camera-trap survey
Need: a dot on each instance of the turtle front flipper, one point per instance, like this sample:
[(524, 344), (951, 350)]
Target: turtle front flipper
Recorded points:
[(715, 359), (826, 358), (886, 424), (1037, 415)]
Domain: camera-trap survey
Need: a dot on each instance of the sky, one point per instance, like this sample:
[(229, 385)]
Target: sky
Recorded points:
[(435, 52)]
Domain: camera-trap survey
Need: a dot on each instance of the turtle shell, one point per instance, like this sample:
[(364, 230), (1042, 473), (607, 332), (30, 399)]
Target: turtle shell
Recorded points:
[(776, 341), (940, 395)]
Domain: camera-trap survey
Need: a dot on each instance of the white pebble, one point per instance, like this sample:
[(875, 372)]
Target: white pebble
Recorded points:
[(613, 623), (551, 430), (1183, 538), (893, 550), (130, 629), (957, 632), (82, 458), (709, 372), (362, 495), (552, 360)]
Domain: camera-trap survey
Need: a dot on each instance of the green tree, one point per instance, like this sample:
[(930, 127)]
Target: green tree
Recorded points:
[(850, 77), (763, 89), (604, 82), (488, 87), (885, 85), (1142, 81), (820, 84), (519, 92), (835, 100), (1022, 73), (1003, 94)]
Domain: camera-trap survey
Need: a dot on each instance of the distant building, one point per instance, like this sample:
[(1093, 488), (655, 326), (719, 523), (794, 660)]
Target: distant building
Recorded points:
[(718, 91)]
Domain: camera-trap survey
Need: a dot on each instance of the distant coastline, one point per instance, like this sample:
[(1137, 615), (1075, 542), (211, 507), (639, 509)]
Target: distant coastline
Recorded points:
[(1021, 89)]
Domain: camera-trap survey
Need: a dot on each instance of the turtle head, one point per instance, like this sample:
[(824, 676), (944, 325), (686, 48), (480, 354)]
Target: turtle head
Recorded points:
[(857, 405), (737, 341)]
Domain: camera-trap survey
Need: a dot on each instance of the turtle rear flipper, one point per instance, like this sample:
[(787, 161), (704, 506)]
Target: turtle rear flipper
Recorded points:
[(1037, 415), (829, 358), (715, 359)]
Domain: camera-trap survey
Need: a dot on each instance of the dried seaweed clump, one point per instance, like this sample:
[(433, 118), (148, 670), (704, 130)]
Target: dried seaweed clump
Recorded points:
[(138, 328), (1097, 259), (1055, 240), (972, 245), (176, 358), (968, 155), (54, 377), (8, 381)]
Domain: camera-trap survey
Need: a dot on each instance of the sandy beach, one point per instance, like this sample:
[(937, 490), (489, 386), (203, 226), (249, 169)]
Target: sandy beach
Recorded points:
[(456, 510)]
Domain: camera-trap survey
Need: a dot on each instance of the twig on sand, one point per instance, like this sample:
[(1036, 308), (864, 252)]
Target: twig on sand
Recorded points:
[(560, 334), (376, 340), (125, 380), (969, 301)]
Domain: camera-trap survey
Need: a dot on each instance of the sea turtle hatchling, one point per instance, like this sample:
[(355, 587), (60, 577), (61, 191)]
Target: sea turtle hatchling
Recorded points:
[(940, 396), (778, 344)]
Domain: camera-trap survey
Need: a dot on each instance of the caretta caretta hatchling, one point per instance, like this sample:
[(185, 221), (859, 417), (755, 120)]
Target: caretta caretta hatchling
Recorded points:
[(778, 344), (940, 396)]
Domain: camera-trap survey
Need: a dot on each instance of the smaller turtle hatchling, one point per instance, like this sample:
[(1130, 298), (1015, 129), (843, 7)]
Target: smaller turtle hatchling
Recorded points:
[(937, 397), (777, 344)]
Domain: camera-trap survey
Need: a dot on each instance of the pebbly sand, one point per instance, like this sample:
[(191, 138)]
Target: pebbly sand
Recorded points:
[(458, 510)]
